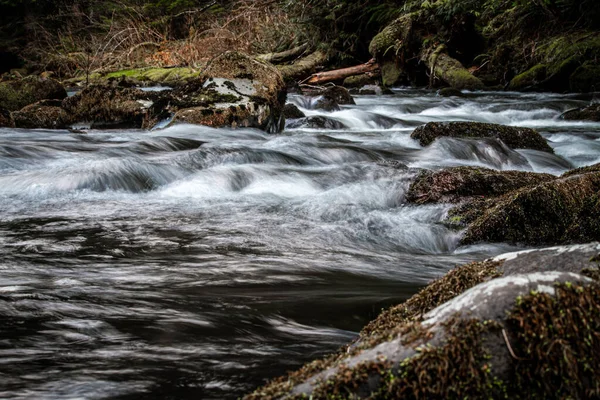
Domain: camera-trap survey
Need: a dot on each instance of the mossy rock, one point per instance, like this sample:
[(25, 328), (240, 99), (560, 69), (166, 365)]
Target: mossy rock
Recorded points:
[(484, 330), (17, 94), (389, 41), (529, 78), (513, 137), (544, 214), (590, 113), (6, 119), (453, 185), (111, 106), (450, 92), (391, 73), (358, 81), (46, 114), (585, 79)]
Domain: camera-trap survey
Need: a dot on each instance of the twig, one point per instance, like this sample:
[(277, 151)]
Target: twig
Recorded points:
[(510, 350)]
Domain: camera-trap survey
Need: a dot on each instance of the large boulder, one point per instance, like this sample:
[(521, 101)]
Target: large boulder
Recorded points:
[(450, 70), (46, 114), (235, 90), (6, 119), (17, 94), (590, 113), (457, 184), (113, 106), (559, 211), (529, 78), (517, 326), (513, 137)]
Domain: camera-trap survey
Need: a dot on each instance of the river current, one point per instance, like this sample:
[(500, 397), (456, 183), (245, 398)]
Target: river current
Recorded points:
[(192, 262)]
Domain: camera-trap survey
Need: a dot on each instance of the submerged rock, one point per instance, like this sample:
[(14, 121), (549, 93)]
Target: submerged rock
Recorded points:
[(316, 122), (331, 98), (46, 114), (453, 185), (6, 119), (590, 113), (485, 330), (513, 137), (548, 213), (17, 94)]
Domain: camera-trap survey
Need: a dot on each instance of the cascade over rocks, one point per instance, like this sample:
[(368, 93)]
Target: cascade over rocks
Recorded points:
[(316, 122), (513, 137), (17, 94), (484, 330)]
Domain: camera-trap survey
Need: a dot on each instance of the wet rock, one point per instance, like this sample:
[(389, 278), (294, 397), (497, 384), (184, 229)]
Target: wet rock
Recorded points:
[(113, 106), (46, 114), (391, 73), (237, 90), (331, 98), (549, 213), (453, 185), (316, 122), (291, 111), (6, 119), (590, 113), (16, 94), (485, 330), (513, 137)]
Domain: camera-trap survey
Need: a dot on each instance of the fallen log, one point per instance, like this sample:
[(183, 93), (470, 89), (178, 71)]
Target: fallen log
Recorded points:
[(341, 74), (450, 70), (303, 67), (284, 56)]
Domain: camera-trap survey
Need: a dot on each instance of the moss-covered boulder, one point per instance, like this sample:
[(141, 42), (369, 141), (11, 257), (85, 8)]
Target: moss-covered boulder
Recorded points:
[(585, 79), (391, 73), (155, 76), (485, 330), (6, 119), (529, 78), (393, 37), (513, 137), (16, 94), (112, 106), (591, 113), (548, 213), (457, 184), (46, 114), (358, 81), (450, 70), (235, 90)]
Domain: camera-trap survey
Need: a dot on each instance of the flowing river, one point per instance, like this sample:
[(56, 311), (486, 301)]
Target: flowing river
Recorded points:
[(192, 262)]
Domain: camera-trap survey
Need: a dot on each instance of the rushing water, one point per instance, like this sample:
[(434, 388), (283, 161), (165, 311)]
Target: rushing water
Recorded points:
[(195, 263)]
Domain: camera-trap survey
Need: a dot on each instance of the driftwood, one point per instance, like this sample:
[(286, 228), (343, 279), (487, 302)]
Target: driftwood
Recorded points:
[(284, 56), (303, 67), (340, 74)]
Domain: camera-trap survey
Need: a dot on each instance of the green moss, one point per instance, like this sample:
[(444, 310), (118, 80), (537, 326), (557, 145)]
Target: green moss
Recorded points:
[(529, 78), (156, 75), (393, 37), (15, 95), (390, 73)]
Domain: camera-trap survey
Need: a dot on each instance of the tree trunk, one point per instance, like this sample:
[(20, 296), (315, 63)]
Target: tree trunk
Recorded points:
[(303, 67), (340, 74)]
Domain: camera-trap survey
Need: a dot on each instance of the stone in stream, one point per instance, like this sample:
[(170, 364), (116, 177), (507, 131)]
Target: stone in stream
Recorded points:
[(316, 122), (563, 210), (521, 325), (590, 113), (457, 184), (45, 114), (513, 137), (291, 111), (330, 98), (16, 94)]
